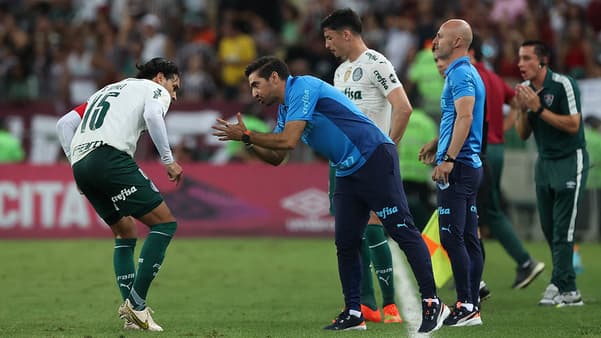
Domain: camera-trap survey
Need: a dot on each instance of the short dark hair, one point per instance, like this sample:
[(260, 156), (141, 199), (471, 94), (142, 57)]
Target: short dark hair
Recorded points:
[(157, 65), (343, 18), (267, 65), (476, 46), (540, 49)]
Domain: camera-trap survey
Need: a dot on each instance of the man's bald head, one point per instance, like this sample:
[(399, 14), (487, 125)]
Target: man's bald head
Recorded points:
[(453, 39), (460, 28)]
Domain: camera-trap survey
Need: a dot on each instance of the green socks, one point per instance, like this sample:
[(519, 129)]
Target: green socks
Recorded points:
[(149, 263), (382, 260), (123, 263), (368, 297)]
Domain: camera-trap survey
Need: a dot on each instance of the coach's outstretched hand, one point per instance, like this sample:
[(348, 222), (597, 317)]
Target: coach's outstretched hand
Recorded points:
[(226, 131)]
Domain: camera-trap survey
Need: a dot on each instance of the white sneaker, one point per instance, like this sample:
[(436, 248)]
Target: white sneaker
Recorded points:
[(570, 298), (549, 296), (130, 325), (142, 319)]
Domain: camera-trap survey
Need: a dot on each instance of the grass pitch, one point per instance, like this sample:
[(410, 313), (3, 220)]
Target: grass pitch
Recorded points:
[(255, 287)]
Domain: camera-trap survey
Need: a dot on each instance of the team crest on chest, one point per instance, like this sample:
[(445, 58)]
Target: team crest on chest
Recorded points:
[(357, 74), (548, 98)]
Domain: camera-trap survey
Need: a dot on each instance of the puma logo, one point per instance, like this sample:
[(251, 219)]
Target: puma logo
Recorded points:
[(385, 280)]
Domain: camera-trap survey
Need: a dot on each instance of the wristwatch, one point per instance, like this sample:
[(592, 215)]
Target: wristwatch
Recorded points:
[(246, 137), (539, 110), (447, 158)]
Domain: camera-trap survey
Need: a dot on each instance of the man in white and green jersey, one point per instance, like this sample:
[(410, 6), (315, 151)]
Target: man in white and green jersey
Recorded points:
[(100, 143), (369, 80)]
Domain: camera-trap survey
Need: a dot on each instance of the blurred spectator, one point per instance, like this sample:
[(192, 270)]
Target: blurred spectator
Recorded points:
[(10, 146), (266, 40), (236, 49), (425, 78), (291, 26), (20, 86), (400, 41), (592, 134), (416, 175), (373, 34), (575, 51), (508, 11), (155, 42), (197, 84), (79, 74)]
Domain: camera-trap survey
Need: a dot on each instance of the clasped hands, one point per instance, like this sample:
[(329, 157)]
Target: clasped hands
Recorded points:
[(527, 98)]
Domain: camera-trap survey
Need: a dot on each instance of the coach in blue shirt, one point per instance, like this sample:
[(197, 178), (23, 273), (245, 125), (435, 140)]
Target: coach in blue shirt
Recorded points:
[(367, 175), (458, 170)]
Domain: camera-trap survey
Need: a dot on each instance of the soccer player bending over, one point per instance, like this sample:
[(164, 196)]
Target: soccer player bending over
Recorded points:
[(99, 139)]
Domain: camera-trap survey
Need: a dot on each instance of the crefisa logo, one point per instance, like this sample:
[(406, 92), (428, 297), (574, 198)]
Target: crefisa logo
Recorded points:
[(313, 205)]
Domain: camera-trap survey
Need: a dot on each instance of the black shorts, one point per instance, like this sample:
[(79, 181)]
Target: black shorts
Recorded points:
[(115, 185)]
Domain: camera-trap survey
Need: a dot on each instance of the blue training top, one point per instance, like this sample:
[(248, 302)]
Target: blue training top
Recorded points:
[(462, 79), (336, 128)]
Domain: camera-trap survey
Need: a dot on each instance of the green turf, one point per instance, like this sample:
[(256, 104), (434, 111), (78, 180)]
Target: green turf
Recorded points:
[(250, 288)]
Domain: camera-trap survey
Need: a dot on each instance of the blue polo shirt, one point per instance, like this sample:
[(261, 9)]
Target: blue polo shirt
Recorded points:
[(336, 128), (462, 79)]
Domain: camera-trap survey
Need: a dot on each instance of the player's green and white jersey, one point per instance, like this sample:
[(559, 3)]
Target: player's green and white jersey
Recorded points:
[(115, 116), (367, 82)]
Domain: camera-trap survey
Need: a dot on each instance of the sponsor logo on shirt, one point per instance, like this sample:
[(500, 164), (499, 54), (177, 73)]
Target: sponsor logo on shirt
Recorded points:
[(371, 56), (86, 147), (306, 102), (444, 211), (353, 94), (381, 80)]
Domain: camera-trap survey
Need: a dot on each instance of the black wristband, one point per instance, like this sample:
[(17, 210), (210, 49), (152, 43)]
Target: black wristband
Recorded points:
[(539, 110), (447, 158), (246, 137)]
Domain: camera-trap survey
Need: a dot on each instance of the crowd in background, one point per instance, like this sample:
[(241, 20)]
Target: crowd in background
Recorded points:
[(64, 50), (59, 52)]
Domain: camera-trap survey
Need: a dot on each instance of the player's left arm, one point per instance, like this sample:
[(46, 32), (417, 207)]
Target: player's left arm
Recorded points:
[(385, 79), (401, 111), (153, 116)]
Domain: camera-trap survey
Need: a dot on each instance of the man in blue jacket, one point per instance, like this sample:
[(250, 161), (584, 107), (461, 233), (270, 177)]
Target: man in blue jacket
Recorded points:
[(367, 175)]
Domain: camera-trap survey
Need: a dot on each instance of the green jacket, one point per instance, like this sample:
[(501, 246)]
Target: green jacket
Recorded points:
[(10, 148), (420, 130), (593, 145)]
